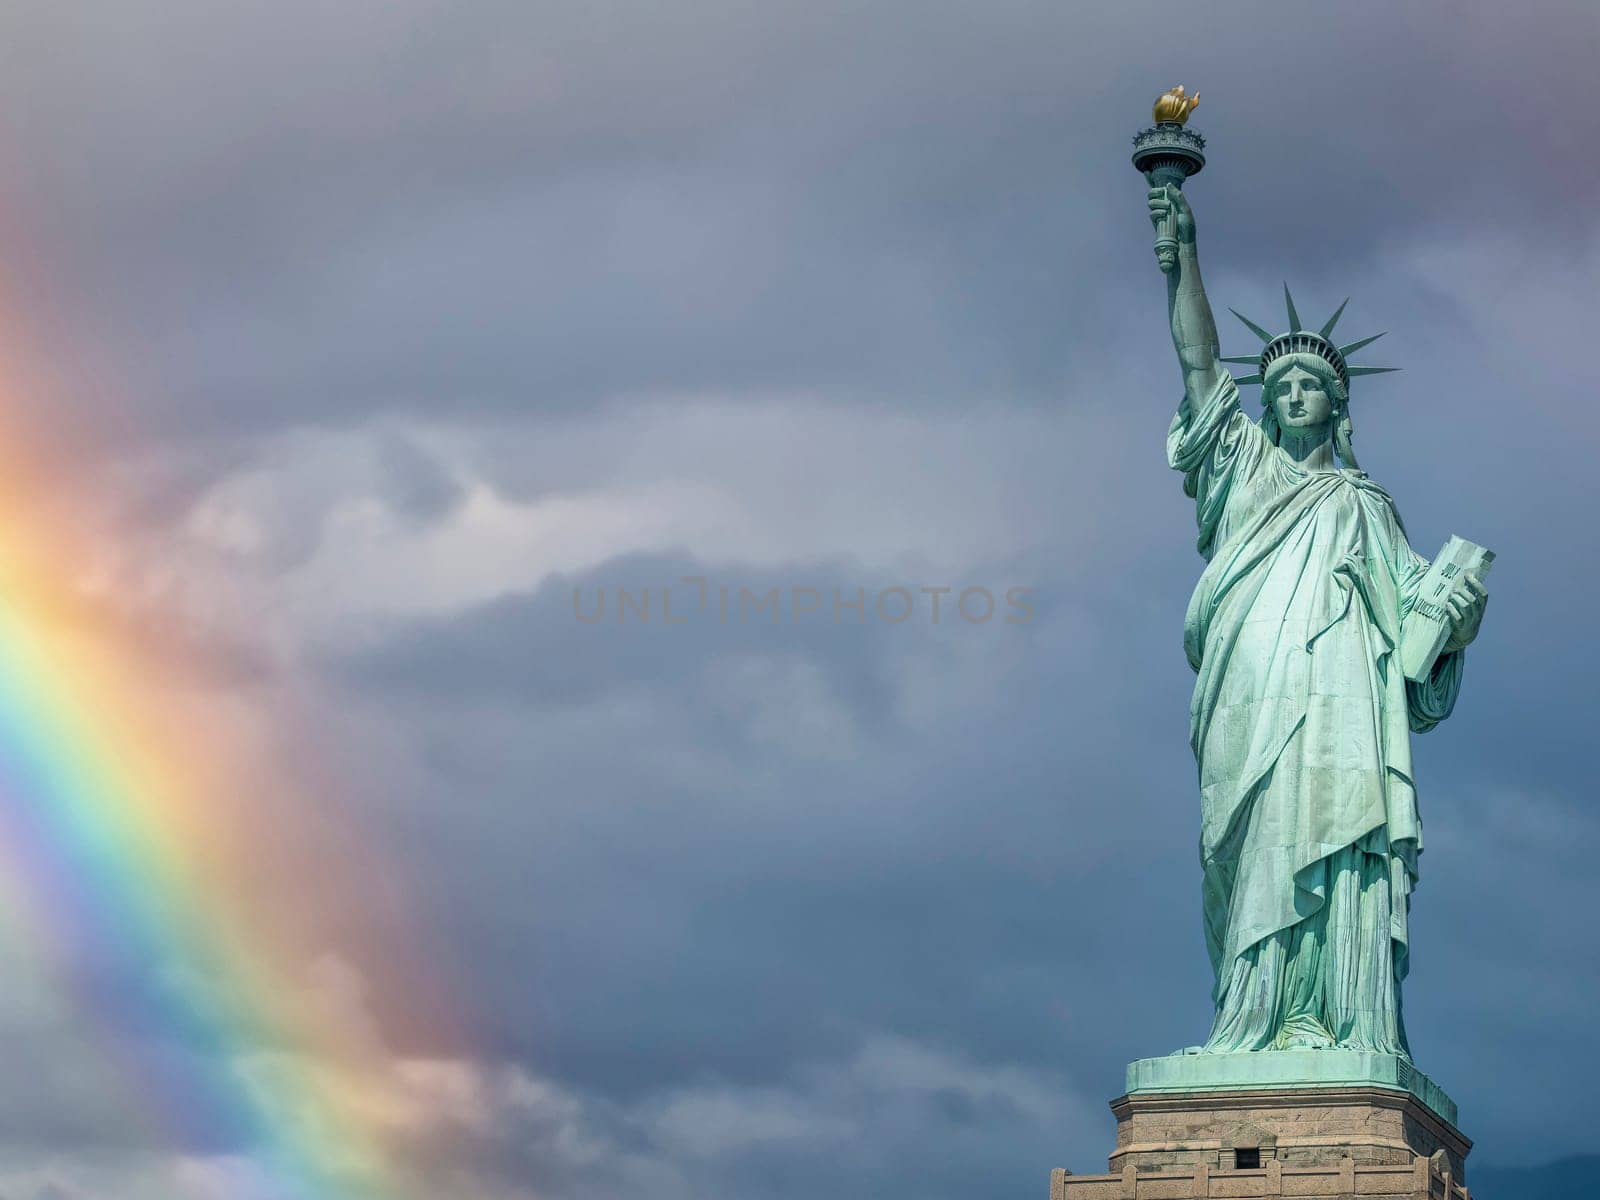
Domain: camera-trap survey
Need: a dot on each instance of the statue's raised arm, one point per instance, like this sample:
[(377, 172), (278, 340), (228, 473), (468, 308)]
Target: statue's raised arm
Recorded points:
[(1194, 330)]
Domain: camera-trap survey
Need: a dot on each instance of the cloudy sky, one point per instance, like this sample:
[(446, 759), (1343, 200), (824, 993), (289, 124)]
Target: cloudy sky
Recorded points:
[(356, 338)]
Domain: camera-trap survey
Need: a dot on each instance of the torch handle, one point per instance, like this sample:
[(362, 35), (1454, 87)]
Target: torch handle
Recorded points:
[(1167, 227)]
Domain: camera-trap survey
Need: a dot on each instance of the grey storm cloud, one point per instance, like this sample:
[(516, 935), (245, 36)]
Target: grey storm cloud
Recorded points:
[(752, 867), (267, 214), (867, 901)]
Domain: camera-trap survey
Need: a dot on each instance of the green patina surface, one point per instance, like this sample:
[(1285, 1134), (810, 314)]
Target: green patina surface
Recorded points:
[(1287, 1069), (1301, 720)]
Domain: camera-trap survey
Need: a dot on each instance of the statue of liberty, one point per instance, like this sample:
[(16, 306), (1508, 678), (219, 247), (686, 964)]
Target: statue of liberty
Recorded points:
[(1302, 715)]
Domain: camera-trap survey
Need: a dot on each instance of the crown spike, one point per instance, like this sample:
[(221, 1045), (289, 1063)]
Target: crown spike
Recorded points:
[(1243, 379), (1327, 329), (1371, 370), (1294, 317), (1251, 359), (1254, 328), (1354, 346)]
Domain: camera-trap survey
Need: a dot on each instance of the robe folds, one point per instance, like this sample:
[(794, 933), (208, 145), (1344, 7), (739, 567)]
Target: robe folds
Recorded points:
[(1300, 723)]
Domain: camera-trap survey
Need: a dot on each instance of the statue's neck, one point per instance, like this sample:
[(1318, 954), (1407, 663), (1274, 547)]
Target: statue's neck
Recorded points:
[(1312, 449)]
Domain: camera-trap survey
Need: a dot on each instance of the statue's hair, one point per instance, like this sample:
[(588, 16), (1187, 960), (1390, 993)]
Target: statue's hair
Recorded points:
[(1338, 394)]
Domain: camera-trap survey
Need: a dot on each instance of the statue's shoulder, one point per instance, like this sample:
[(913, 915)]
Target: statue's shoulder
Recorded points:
[(1366, 483), (1376, 495)]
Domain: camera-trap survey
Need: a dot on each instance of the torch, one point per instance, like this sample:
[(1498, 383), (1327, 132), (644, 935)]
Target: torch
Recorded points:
[(1168, 152)]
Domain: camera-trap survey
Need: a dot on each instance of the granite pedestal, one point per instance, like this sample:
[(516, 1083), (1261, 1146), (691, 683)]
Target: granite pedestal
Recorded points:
[(1312, 1123)]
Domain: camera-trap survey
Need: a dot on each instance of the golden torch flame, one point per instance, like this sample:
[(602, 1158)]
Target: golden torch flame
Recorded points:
[(1173, 108)]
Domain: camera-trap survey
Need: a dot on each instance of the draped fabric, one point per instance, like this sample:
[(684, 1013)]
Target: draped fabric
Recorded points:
[(1300, 724)]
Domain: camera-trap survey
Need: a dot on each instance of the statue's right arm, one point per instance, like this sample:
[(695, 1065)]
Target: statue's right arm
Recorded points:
[(1194, 330)]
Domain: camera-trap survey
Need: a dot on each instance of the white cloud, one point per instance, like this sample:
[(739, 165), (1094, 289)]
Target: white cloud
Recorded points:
[(305, 540)]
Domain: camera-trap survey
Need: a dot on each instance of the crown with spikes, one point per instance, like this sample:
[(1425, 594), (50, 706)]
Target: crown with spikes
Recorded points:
[(1303, 341)]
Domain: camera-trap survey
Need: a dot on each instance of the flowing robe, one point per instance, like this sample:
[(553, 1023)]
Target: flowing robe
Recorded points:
[(1300, 724)]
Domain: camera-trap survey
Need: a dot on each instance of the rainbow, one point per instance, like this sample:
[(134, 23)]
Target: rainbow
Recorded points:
[(132, 884)]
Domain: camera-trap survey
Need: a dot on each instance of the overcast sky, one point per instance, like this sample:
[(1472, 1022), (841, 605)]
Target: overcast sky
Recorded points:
[(365, 334)]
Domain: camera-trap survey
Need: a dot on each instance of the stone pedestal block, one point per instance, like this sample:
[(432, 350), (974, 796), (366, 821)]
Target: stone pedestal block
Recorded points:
[(1287, 1069), (1348, 1180), (1340, 1142), (1294, 1126)]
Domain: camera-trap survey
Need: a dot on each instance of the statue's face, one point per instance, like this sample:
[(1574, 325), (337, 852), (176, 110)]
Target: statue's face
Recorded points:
[(1301, 400)]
